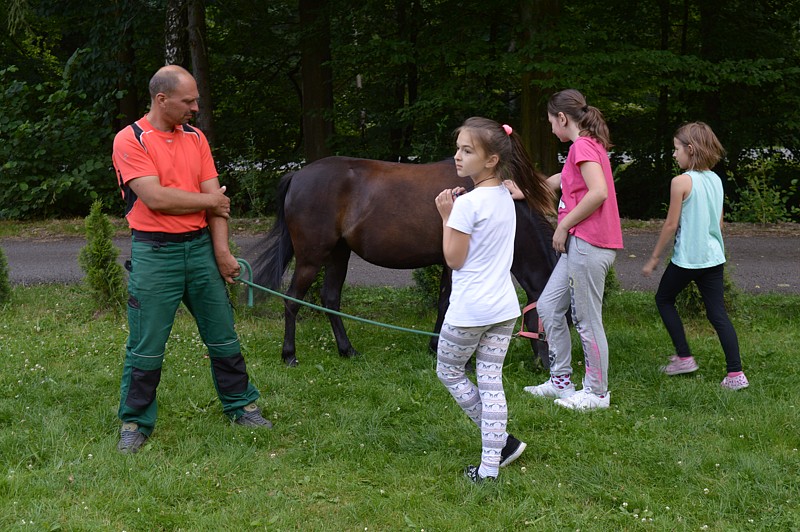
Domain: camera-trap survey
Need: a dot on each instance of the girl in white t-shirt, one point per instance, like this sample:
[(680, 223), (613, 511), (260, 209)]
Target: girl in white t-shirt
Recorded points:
[(478, 244)]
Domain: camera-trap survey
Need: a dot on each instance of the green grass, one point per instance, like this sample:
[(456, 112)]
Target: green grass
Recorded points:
[(376, 442)]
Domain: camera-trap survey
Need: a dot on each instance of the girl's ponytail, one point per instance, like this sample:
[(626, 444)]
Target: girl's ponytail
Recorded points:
[(530, 181), (588, 118), (514, 162)]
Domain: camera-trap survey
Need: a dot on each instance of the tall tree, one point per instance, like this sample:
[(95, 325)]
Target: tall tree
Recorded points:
[(200, 67), (185, 29), (316, 77), (175, 32), (128, 102), (535, 17)]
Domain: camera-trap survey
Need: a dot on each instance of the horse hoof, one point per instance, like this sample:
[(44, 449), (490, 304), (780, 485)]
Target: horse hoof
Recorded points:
[(350, 353), (290, 361), (543, 352)]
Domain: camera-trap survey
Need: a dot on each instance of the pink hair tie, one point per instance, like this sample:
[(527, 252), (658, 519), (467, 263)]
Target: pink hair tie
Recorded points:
[(507, 129)]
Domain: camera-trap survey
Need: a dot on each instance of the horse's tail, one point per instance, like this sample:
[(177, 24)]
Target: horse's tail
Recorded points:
[(271, 264)]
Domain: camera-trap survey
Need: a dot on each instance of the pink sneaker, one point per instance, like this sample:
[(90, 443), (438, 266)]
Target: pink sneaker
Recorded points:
[(735, 383), (678, 365)]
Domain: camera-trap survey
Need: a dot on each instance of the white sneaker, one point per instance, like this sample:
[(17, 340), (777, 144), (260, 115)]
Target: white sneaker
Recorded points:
[(585, 400), (550, 389)]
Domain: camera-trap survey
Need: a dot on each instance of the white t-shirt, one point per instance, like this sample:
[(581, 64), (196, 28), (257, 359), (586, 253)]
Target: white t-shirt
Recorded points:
[(483, 290)]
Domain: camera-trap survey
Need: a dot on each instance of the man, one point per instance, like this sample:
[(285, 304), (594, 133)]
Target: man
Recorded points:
[(178, 214)]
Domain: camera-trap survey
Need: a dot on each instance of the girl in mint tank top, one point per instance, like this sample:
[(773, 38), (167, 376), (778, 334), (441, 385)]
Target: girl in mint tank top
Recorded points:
[(694, 220)]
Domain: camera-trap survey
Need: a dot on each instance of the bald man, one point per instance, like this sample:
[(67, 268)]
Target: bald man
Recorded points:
[(178, 215)]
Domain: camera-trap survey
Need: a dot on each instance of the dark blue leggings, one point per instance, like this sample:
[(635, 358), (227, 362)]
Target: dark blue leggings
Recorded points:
[(709, 282)]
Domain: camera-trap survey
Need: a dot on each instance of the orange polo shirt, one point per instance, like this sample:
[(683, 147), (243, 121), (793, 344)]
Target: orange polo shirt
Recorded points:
[(180, 159)]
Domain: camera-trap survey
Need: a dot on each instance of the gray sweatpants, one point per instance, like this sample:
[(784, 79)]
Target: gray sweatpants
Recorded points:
[(578, 282)]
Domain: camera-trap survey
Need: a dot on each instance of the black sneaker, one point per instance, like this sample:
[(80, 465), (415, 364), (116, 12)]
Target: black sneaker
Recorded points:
[(471, 472), (511, 451), (252, 417), (130, 439)]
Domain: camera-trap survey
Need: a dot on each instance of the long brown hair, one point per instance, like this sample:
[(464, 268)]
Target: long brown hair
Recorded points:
[(514, 162), (589, 119)]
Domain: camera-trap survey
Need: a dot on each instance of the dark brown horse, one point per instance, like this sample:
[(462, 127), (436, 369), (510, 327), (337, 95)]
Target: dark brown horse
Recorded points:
[(385, 213)]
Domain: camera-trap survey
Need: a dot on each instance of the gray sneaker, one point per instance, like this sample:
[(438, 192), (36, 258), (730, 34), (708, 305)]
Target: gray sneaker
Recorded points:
[(130, 439), (252, 417)]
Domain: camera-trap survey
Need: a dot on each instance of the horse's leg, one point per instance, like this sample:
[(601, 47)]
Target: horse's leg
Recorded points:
[(331, 296), (445, 286), (301, 280), (539, 346)]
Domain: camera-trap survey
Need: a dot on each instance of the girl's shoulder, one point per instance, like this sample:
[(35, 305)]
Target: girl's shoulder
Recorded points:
[(588, 146), (682, 182)]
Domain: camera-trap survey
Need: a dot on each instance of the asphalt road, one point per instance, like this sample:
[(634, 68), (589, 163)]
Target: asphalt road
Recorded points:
[(758, 263)]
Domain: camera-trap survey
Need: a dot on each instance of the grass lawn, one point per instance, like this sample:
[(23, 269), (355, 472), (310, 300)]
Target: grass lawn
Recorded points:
[(376, 442)]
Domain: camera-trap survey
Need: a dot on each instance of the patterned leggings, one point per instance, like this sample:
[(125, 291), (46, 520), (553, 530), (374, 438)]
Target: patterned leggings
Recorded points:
[(485, 404)]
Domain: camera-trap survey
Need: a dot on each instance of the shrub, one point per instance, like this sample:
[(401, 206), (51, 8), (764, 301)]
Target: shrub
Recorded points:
[(55, 160), (612, 285), (98, 259), (5, 285), (426, 284), (252, 182), (761, 199), (690, 303)]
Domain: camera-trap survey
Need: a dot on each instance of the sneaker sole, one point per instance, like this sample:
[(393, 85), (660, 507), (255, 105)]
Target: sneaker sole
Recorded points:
[(570, 406), (515, 455), (678, 372), (530, 390), (734, 388)]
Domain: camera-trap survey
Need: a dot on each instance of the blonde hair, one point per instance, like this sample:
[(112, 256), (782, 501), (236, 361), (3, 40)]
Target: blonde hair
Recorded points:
[(706, 151)]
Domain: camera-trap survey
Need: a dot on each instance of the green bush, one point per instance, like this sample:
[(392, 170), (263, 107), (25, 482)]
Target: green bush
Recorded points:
[(104, 275), (55, 160), (5, 285), (690, 303), (426, 284), (761, 199), (612, 285), (252, 182)]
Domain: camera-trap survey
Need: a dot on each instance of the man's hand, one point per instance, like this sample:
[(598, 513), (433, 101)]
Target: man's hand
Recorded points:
[(229, 267), (221, 204)]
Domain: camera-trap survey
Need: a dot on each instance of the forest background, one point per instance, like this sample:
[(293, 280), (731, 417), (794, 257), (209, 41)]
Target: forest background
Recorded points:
[(285, 82)]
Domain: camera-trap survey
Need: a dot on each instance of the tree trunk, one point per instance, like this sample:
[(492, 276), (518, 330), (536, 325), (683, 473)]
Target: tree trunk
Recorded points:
[(407, 13), (663, 138), (200, 67), (127, 106), (534, 127), (317, 78), (174, 31), (710, 51)]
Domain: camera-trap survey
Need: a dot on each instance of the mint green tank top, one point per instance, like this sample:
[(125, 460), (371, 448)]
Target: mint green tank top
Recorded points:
[(698, 241)]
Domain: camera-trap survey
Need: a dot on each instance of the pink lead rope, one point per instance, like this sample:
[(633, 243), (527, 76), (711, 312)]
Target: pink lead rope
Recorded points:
[(527, 334)]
